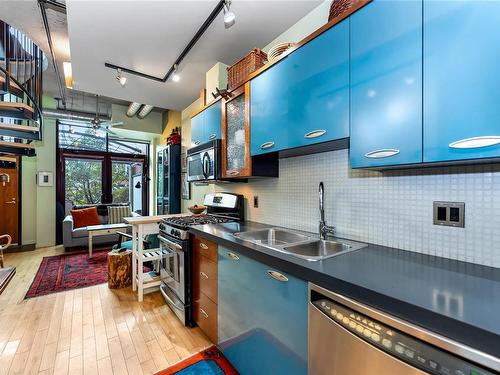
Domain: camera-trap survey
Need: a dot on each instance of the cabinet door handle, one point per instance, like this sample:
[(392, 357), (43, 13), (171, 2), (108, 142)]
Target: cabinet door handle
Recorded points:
[(382, 153), (196, 143), (266, 145), (203, 246), (204, 313), (315, 133), (232, 172), (277, 276), (212, 136), (233, 256), (476, 142), (203, 274)]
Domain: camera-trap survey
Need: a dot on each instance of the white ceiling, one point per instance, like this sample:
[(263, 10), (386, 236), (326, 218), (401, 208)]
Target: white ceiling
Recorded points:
[(149, 35)]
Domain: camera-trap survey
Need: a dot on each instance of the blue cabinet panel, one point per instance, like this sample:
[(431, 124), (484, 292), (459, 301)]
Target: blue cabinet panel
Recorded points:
[(262, 322), (207, 125), (461, 80), (303, 99), (386, 84), (319, 88), (269, 127), (213, 122), (197, 129)]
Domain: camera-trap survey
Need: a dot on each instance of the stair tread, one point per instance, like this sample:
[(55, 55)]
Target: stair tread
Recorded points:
[(17, 145), (16, 105), (12, 83), (25, 128)]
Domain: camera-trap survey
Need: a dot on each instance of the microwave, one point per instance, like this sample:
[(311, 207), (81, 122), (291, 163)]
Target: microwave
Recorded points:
[(203, 162)]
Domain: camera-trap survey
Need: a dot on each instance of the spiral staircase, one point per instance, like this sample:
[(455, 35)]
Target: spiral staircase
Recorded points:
[(21, 66)]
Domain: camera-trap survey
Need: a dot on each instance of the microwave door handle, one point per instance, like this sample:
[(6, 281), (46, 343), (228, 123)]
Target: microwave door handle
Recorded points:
[(206, 164)]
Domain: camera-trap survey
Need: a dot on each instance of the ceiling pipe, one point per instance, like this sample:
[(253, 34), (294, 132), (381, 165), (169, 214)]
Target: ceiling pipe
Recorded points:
[(41, 5), (218, 8), (61, 114), (133, 108), (145, 110)]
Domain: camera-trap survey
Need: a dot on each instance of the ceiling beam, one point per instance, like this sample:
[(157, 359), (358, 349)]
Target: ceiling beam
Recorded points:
[(213, 15)]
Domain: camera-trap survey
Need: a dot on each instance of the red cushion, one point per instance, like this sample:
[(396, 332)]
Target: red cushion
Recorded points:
[(85, 217)]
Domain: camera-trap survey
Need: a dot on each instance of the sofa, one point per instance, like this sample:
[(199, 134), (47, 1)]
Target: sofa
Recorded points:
[(73, 237)]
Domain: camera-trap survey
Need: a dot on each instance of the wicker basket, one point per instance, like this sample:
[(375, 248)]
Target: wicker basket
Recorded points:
[(239, 72), (340, 7)]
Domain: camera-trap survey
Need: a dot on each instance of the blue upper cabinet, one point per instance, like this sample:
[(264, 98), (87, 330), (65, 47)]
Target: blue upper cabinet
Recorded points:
[(207, 125), (461, 80), (269, 127), (213, 122), (319, 88), (303, 99), (386, 84), (197, 129), (262, 317)]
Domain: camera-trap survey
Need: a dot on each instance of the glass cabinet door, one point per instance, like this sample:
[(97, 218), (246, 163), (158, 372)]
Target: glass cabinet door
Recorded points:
[(236, 161)]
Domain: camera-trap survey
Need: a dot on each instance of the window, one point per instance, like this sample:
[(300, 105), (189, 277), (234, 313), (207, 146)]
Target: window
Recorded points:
[(81, 136)]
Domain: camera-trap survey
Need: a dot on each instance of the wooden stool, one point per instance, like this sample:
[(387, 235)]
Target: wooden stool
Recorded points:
[(119, 269)]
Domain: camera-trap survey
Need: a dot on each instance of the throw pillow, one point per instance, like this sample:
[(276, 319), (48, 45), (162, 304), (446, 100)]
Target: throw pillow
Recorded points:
[(85, 217), (117, 213)]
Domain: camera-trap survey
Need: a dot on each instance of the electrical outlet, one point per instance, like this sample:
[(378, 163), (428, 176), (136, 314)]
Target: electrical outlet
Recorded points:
[(255, 201), (450, 214)]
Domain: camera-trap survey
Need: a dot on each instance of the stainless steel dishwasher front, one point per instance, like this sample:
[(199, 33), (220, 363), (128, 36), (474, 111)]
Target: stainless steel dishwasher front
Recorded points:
[(348, 338)]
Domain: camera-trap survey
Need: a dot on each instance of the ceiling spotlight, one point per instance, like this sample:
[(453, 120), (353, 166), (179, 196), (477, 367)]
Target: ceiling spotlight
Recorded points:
[(229, 17), (176, 77), (120, 78)]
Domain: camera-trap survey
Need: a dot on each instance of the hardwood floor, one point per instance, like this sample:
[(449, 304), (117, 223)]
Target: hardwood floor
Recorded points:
[(93, 330)]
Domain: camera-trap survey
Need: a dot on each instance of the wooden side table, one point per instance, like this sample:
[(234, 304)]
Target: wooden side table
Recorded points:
[(119, 269)]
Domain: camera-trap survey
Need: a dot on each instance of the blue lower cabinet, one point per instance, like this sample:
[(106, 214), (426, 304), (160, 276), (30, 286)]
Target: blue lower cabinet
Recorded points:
[(461, 80), (386, 84), (319, 88), (262, 317)]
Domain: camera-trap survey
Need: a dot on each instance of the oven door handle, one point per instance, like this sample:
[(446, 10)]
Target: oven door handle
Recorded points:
[(171, 243)]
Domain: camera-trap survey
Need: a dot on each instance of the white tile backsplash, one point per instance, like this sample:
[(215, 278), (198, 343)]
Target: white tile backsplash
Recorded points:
[(391, 208)]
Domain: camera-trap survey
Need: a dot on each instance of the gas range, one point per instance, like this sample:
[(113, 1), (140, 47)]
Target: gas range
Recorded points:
[(178, 226), (175, 270), (221, 208)]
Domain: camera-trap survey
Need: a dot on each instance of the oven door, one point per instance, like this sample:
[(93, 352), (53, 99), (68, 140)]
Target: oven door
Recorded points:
[(201, 165), (172, 266)]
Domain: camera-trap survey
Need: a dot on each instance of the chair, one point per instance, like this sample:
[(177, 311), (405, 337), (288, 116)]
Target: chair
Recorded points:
[(6, 273)]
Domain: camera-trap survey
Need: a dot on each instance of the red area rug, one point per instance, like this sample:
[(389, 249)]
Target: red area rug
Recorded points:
[(208, 362), (69, 271)]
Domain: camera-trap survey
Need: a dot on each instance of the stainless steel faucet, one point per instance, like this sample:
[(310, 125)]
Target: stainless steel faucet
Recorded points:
[(324, 230)]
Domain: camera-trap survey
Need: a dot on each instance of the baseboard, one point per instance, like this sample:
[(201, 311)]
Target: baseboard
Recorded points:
[(20, 248)]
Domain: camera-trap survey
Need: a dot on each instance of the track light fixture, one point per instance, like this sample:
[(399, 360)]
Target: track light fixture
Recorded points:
[(176, 77), (229, 17), (120, 78)]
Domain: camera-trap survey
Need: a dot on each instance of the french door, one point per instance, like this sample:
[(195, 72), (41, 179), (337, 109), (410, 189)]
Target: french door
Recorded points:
[(86, 177)]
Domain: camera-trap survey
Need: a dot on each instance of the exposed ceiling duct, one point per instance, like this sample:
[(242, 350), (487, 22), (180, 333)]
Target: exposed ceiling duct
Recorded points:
[(133, 108), (61, 114), (145, 110)]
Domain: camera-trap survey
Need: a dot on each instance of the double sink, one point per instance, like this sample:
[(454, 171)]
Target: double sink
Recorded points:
[(297, 244)]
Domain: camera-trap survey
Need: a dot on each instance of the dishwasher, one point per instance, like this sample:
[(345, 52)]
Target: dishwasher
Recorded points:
[(348, 338)]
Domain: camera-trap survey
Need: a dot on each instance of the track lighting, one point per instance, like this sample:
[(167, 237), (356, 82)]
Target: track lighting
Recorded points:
[(176, 77), (120, 78), (229, 17)]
